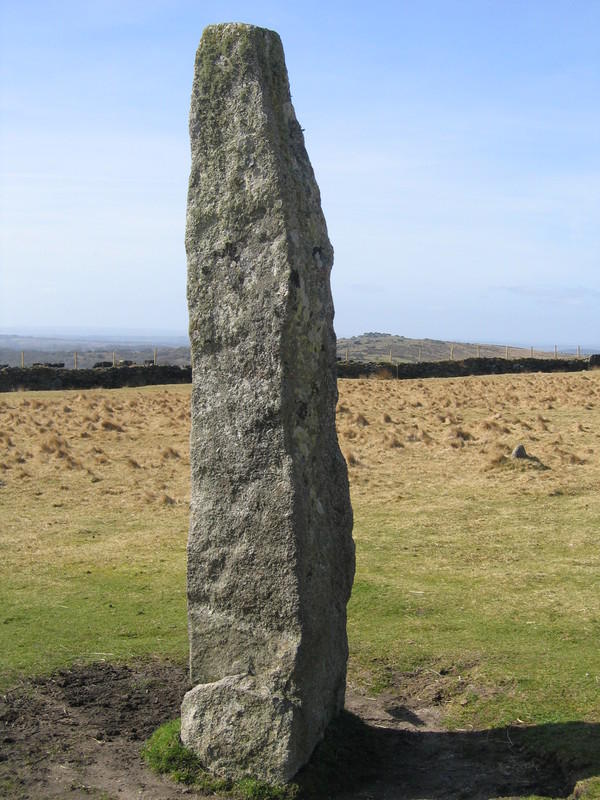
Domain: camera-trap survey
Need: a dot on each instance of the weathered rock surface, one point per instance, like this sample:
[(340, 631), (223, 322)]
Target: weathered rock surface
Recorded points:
[(519, 451), (270, 553)]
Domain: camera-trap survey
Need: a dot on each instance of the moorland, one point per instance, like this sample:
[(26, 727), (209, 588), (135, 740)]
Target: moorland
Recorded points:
[(473, 624)]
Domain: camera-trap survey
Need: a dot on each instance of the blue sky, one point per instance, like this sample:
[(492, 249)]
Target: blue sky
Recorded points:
[(456, 145)]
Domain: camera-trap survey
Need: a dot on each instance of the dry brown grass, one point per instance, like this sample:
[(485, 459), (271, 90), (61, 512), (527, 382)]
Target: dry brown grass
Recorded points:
[(133, 443), (125, 443), (443, 432), (126, 450)]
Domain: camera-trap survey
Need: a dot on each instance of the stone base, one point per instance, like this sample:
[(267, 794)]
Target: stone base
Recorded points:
[(241, 729)]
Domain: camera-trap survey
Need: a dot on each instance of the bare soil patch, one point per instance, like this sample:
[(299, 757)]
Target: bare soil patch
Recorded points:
[(78, 734)]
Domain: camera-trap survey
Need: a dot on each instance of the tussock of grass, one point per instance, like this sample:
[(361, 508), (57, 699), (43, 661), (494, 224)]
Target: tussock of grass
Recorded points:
[(393, 441), (165, 754), (587, 790), (108, 425), (170, 452), (351, 459)]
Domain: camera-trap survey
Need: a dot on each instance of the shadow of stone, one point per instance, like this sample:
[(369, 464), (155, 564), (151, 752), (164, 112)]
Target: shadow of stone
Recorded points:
[(404, 714), (535, 462), (357, 760)]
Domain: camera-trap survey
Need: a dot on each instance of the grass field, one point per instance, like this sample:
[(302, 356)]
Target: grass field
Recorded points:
[(477, 575)]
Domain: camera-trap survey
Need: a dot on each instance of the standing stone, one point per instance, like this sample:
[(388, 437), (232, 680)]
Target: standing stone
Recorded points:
[(270, 553)]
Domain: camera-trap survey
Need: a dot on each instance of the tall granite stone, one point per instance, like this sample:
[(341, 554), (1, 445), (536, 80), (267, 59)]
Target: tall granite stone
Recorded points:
[(270, 553)]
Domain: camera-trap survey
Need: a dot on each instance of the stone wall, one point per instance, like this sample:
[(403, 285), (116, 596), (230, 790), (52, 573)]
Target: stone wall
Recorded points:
[(457, 369), (47, 378)]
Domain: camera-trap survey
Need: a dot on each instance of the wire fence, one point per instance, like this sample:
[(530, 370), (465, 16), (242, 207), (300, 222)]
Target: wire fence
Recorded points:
[(409, 353), (433, 352), (86, 359)]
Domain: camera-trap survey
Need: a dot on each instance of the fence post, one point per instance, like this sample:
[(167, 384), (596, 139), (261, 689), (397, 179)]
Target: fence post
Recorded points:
[(155, 356), (555, 351), (346, 355), (531, 352), (75, 359), (420, 353), (478, 351), (506, 352), (451, 352), (578, 351), (22, 360), (114, 359), (391, 361)]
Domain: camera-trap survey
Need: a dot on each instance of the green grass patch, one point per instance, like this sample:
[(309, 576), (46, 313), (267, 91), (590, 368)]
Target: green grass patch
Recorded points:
[(492, 610), (505, 597), (89, 600), (165, 754), (587, 790)]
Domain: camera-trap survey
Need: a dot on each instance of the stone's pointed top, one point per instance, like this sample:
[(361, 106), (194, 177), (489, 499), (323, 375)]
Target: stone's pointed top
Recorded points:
[(237, 30), (236, 26), (233, 55)]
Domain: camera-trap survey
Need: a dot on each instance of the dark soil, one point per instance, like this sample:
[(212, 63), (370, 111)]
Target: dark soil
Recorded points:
[(78, 733)]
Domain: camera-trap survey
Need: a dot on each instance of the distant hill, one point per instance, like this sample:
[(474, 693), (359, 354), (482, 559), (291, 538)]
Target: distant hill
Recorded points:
[(39, 349), (379, 347)]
